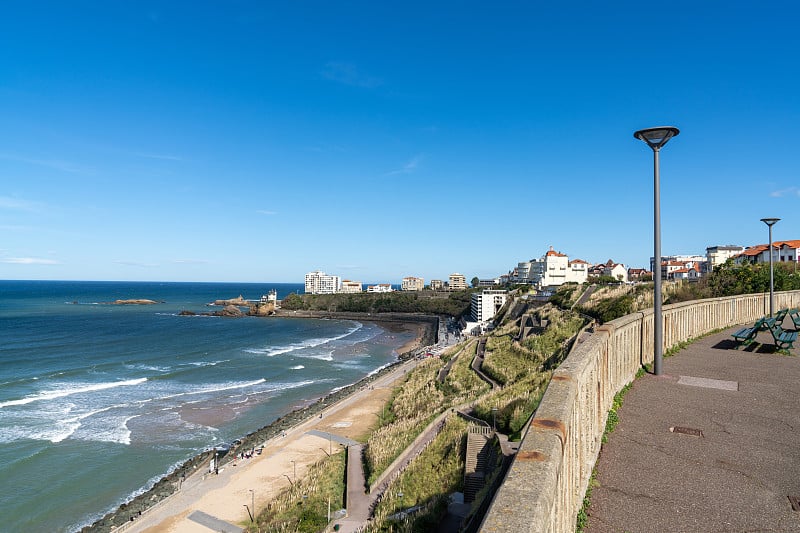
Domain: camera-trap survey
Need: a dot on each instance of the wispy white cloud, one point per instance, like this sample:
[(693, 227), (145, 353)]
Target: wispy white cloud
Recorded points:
[(265, 212), (57, 164), (191, 261), (136, 264), (29, 261), (18, 204), (408, 168), (789, 191), (349, 74)]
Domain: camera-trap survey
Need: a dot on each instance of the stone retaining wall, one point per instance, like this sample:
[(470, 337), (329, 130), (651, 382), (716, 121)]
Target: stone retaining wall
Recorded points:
[(544, 488)]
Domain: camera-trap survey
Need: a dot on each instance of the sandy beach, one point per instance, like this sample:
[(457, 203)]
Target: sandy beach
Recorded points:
[(225, 495)]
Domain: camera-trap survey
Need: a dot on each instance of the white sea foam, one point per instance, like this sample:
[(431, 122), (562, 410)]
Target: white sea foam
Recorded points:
[(321, 356), (106, 429), (296, 346), (207, 363), (217, 388), (297, 367), (143, 366), (71, 390)]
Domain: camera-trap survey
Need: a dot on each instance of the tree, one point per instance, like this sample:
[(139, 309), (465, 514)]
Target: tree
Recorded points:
[(475, 281)]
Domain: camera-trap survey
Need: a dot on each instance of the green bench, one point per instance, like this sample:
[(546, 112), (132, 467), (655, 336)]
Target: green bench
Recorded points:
[(783, 339), (746, 336), (794, 314)]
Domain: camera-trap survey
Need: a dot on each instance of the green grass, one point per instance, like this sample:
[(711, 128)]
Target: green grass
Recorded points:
[(437, 471), (303, 507)]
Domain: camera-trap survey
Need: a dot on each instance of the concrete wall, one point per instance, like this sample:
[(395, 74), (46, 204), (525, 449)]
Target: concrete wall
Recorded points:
[(544, 488)]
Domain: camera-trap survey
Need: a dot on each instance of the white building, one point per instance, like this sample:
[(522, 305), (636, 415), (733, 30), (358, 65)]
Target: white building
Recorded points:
[(522, 274), (687, 273), (685, 259), (717, 255), (412, 283), (381, 287), (485, 304), (551, 270), (782, 251), (349, 286), (319, 282), (437, 285), (578, 271), (616, 271)]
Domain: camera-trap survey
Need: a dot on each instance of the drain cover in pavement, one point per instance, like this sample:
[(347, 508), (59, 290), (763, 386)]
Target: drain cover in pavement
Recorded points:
[(795, 501), (687, 431)]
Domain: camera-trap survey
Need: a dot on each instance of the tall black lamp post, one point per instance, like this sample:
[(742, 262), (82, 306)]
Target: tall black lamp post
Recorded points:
[(655, 139), (771, 222)]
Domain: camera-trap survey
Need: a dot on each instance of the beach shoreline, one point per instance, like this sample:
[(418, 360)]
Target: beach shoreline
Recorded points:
[(425, 329)]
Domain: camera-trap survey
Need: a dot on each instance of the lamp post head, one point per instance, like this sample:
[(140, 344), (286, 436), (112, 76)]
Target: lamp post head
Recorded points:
[(770, 221), (656, 137)]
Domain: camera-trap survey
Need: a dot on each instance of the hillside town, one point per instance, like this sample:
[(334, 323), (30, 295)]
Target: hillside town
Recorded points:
[(555, 268)]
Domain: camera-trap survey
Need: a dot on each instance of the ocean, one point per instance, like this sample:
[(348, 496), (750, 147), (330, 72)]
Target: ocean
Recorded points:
[(99, 401)]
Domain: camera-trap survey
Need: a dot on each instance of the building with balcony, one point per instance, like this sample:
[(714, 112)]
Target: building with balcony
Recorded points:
[(319, 282), (458, 282), (351, 287), (437, 285), (717, 255), (485, 304), (412, 283)]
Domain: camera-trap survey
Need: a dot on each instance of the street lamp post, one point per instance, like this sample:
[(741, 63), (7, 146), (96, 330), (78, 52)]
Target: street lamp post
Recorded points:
[(771, 222), (656, 138), (253, 504)]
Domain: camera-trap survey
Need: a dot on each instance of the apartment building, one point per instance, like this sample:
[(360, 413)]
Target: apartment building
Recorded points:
[(717, 255), (351, 287), (319, 282), (437, 285), (458, 282), (485, 304), (412, 283)]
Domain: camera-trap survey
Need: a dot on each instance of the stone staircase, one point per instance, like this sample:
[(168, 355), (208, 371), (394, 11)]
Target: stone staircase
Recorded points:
[(480, 460)]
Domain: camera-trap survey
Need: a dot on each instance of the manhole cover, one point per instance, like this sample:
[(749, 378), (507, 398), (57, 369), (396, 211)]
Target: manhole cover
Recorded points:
[(795, 501), (687, 431)]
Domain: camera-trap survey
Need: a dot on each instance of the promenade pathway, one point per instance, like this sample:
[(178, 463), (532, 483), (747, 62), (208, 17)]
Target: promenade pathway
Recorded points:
[(656, 473)]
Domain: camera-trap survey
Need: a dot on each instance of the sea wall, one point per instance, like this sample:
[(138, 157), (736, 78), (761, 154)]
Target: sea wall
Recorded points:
[(544, 488)]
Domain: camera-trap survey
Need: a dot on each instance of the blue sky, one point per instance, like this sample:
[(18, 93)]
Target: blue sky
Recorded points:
[(256, 141)]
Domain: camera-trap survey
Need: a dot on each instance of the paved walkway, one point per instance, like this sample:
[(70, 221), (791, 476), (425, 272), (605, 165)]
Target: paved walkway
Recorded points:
[(655, 474), (213, 523)]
